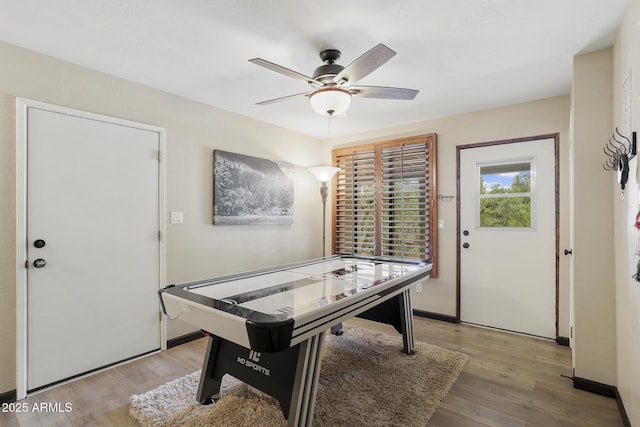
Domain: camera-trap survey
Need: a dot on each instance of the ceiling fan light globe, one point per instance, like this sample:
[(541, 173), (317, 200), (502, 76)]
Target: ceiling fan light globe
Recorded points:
[(331, 101)]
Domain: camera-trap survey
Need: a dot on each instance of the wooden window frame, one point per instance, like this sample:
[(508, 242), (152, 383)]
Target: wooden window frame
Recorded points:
[(431, 228)]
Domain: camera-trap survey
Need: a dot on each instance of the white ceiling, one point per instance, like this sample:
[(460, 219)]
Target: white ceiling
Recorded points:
[(463, 55)]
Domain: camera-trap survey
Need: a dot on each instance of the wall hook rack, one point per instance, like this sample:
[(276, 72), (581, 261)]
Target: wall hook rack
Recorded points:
[(619, 151)]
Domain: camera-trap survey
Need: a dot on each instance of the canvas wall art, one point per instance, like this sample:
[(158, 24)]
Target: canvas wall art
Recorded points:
[(251, 190)]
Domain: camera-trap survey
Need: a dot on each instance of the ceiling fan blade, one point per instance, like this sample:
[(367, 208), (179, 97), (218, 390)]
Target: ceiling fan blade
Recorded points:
[(365, 64), (284, 98), (383, 92), (283, 70)]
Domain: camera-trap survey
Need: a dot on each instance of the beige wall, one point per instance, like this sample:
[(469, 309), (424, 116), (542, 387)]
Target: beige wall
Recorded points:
[(594, 282), (196, 249), (627, 238), (522, 120)]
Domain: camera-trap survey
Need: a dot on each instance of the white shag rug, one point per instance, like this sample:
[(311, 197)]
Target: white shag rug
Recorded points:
[(365, 380)]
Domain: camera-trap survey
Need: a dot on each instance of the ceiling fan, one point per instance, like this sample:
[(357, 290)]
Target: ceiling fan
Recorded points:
[(332, 85)]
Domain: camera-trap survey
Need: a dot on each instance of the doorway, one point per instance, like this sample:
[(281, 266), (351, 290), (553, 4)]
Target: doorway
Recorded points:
[(90, 220), (508, 235)]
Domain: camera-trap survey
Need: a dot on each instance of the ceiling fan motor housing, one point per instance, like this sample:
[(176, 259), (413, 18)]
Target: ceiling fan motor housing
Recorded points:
[(327, 71), (330, 68)]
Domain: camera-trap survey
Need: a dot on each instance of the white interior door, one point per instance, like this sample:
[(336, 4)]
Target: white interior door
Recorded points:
[(508, 235), (92, 243)]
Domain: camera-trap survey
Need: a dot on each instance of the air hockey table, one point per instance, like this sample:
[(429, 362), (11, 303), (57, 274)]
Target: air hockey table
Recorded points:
[(266, 328)]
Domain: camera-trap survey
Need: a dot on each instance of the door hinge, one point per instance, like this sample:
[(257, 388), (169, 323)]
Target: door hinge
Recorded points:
[(571, 332), (159, 156), (159, 237)]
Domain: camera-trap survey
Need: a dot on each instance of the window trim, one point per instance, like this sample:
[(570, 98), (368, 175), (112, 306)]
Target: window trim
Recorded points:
[(432, 193)]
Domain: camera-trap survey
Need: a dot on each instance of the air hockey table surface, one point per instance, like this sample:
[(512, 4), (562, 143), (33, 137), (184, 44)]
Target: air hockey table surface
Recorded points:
[(272, 309)]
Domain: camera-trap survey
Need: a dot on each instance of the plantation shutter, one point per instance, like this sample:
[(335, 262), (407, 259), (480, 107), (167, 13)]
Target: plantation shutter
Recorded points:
[(355, 203), (385, 199), (405, 201)]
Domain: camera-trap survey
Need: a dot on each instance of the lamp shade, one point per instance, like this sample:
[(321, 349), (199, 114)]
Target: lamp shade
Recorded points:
[(330, 101), (324, 173)]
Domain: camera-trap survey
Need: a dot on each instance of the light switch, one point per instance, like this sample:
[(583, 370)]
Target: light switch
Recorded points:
[(441, 224), (176, 218)]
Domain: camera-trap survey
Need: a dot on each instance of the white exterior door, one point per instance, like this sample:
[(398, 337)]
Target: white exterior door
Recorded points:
[(92, 243), (508, 236)]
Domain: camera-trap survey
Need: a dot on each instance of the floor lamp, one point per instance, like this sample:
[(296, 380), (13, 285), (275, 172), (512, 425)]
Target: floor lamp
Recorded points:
[(324, 175)]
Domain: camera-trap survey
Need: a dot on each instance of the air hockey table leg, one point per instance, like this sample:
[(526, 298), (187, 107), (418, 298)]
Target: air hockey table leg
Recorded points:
[(406, 322), (303, 397), (397, 312), (209, 385), (337, 329)]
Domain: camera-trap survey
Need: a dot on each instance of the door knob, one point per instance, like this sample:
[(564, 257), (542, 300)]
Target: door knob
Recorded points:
[(465, 245), (39, 243), (39, 263)]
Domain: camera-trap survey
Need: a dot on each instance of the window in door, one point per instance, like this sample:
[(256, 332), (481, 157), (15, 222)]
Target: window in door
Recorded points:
[(385, 199), (505, 195)]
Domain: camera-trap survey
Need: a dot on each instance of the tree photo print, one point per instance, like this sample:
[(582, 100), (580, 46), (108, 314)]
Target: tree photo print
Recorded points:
[(251, 190)]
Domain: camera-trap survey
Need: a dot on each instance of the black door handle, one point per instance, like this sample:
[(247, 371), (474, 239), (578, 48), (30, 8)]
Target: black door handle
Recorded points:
[(568, 251), (465, 245)]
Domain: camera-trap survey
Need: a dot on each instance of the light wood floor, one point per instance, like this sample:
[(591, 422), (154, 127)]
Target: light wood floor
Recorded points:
[(510, 380)]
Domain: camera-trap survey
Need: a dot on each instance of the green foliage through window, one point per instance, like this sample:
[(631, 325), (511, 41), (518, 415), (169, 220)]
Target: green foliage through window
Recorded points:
[(505, 195)]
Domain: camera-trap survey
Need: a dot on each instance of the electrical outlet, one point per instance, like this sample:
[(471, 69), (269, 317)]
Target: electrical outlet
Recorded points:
[(419, 287)]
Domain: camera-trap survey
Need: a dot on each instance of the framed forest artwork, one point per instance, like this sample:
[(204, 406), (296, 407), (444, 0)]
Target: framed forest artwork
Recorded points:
[(251, 190)]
